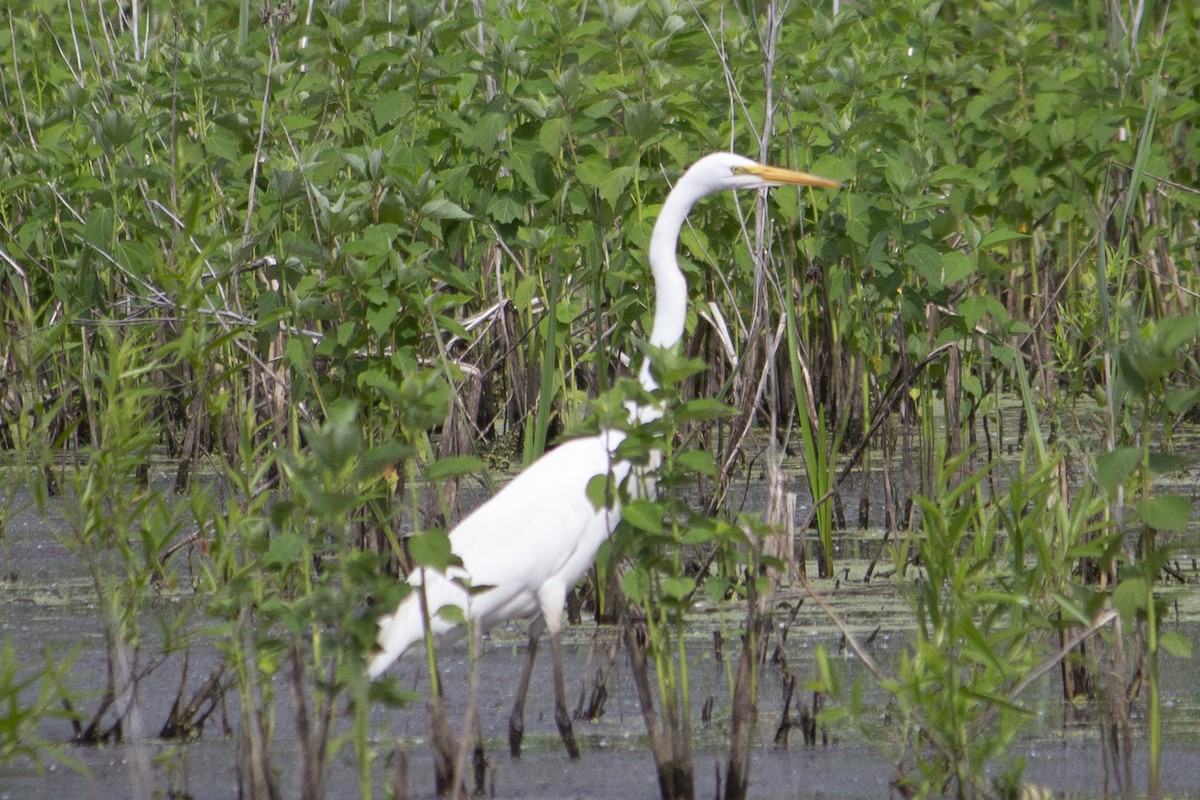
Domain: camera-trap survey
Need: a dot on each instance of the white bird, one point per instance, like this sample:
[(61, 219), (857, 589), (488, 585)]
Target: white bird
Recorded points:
[(538, 535)]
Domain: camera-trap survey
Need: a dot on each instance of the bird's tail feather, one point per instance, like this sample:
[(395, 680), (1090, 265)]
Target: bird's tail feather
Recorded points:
[(397, 632)]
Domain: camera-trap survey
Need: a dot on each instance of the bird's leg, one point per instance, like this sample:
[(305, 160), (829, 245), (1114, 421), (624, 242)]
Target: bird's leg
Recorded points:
[(560, 699), (516, 723)]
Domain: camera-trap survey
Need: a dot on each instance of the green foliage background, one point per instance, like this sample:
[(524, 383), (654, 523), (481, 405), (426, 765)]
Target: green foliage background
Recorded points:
[(296, 212), (233, 231)]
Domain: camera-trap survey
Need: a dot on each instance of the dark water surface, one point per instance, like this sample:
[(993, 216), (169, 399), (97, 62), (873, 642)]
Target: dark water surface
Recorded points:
[(47, 604)]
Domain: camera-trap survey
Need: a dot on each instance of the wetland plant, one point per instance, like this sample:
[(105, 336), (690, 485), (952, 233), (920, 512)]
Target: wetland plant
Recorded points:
[(216, 224)]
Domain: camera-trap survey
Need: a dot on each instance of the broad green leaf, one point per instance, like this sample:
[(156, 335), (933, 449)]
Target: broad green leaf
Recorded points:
[(285, 549), (700, 461), (382, 382), (441, 208), (1175, 644), (1114, 467), (452, 614), (593, 171), (390, 107), (380, 459), (957, 266), (644, 515), (635, 584), (453, 467), (957, 174), (715, 588), (678, 588), (704, 408), (999, 237), (927, 262), (431, 549), (600, 492), (485, 134), (1173, 332), (1166, 513), (1181, 401), (99, 229), (1027, 180), (1160, 463), (551, 134), (333, 505), (382, 318), (1129, 598), (297, 351), (698, 533), (614, 184), (503, 208), (974, 308)]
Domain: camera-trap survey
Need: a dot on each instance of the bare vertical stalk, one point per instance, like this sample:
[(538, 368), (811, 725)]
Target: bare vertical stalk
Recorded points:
[(255, 737), (470, 729), (675, 778)]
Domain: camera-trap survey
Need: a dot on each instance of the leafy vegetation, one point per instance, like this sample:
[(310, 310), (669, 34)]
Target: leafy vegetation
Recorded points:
[(314, 252)]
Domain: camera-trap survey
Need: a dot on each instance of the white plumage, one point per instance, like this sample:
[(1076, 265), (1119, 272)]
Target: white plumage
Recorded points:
[(538, 535), (528, 570)]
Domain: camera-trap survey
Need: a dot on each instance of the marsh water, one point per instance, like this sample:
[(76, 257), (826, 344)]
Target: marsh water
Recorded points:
[(49, 610)]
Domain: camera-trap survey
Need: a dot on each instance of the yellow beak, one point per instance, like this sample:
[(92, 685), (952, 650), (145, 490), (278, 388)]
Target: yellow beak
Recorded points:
[(780, 175)]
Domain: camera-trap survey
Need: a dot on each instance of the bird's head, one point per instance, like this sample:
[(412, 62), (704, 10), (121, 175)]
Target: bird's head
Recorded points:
[(724, 171)]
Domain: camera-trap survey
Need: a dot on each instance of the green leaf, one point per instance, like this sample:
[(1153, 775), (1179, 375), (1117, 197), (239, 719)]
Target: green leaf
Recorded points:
[(441, 208), (284, 550), (1180, 402), (927, 262), (999, 237), (297, 351), (1166, 513), (485, 134), (1160, 463), (644, 515), (453, 467), (699, 461), (452, 614), (99, 229), (715, 589), (383, 383), (431, 549), (599, 492), (704, 409), (1175, 644), (698, 531), (390, 107), (503, 207), (635, 584), (1129, 598), (957, 174), (593, 171), (614, 184), (382, 318), (957, 266), (1114, 467), (976, 307), (551, 134), (678, 588), (1174, 332), (333, 505), (1027, 180)]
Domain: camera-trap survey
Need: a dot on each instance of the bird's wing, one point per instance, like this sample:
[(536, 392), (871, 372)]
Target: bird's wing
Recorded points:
[(539, 530), (539, 524)]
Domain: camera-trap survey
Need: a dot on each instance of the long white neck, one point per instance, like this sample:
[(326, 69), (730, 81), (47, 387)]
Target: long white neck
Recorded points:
[(670, 287)]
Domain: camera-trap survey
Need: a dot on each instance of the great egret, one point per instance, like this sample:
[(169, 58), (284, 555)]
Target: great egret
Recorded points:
[(538, 535)]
